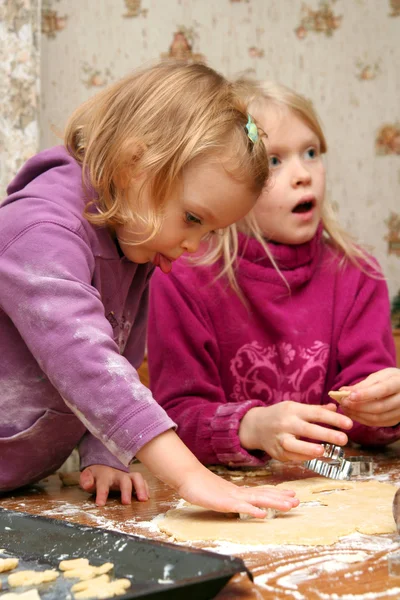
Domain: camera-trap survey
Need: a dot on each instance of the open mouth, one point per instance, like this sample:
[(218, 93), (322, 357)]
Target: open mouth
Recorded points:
[(303, 207)]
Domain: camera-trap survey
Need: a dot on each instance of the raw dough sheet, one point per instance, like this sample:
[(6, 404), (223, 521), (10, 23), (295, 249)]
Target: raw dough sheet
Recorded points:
[(328, 511)]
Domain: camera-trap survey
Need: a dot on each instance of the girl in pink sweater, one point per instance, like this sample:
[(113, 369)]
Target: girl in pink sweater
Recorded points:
[(246, 373)]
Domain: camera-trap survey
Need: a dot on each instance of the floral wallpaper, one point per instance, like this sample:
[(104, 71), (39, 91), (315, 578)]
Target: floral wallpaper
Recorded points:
[(342, 54), (20, 78)]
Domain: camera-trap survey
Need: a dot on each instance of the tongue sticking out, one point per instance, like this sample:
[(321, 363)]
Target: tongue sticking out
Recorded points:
[(163, 262)]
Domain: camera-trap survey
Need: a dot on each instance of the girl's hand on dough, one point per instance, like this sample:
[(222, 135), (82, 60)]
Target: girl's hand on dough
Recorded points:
[(100, 480), (167, 457), (204, 488)]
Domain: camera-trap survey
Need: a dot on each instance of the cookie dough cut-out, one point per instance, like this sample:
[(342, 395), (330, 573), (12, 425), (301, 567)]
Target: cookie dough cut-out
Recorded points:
[(24, 578), (88, 572), (73, 563), (8, 564), (85, 585), (338, 396), (117, 587), (29, 595)]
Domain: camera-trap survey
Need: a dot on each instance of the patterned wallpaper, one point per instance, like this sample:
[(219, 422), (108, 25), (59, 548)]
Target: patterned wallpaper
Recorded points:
[(343, 54), (19, 85)]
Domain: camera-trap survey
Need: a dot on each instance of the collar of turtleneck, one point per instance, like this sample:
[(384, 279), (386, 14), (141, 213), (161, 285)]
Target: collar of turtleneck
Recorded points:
[(297, 262)]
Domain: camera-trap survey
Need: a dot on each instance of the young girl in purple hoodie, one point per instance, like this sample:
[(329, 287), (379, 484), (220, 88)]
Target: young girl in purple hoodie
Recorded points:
[(244, 363), (150, 166)]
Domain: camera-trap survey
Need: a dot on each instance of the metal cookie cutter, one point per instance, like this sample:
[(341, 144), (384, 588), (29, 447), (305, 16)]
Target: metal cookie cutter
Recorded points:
[(335, 465)]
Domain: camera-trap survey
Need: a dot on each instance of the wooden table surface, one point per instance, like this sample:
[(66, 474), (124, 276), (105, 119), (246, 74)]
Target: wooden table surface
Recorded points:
[(280, 572)]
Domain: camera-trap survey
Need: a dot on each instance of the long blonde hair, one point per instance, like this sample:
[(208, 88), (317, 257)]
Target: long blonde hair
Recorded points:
[(155, 122), (260, 96)]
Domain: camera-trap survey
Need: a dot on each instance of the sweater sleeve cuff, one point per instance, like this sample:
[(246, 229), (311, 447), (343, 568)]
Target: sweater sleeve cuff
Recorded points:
[(225, 435), (93, 452)]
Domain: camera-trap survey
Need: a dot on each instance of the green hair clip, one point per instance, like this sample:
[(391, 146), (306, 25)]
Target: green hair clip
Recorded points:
[(251, 128)]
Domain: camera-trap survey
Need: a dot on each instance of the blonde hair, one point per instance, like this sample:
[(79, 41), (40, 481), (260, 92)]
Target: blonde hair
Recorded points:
[(260, 96), (155, 122)]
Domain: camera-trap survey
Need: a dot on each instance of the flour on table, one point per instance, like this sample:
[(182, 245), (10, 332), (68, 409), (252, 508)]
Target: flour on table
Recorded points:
[(328, 511)]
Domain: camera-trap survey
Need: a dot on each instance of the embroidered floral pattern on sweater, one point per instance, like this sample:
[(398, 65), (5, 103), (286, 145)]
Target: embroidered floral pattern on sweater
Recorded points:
[(279, 372)]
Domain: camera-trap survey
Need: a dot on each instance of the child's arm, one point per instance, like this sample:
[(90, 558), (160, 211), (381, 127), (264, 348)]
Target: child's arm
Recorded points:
[(60, 316), (367, 359), (375, 401), (172, 462)]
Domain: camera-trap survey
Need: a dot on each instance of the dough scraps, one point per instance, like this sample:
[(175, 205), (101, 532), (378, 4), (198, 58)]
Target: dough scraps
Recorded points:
[(349, 507)]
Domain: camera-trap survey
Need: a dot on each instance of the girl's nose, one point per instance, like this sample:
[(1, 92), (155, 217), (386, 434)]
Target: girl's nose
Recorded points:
[(191, 244), (300, 175)]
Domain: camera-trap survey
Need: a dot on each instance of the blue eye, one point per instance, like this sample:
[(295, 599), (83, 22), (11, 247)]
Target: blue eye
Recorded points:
[(311, 153), (274, 161), (189, 218)]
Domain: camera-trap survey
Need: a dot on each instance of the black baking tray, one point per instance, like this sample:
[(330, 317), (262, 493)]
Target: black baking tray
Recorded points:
[(41, 543)]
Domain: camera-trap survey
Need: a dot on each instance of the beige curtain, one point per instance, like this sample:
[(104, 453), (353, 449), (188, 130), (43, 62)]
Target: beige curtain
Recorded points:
[(19, 85)]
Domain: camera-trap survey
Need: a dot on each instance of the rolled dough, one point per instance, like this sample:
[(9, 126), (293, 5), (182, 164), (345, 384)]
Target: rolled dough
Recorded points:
[(328, 510)]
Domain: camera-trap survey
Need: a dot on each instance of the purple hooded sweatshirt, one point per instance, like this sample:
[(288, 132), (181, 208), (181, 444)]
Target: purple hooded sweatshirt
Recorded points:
[(73, 315), (212, 358)]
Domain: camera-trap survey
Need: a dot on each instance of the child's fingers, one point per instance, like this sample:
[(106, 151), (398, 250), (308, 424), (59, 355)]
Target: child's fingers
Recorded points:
[(87, 481), (279, 501), (319, 414), (102, 490), (140, 485), (331, 406), (374, 407), (385, 419), (324, 434), (126, 489), (299, 450), (374, 391), (390, 376), (254, 511), (272, 491)]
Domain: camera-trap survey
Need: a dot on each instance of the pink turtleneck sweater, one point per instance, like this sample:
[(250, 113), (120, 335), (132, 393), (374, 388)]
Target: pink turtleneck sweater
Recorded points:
[(212, 358)]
